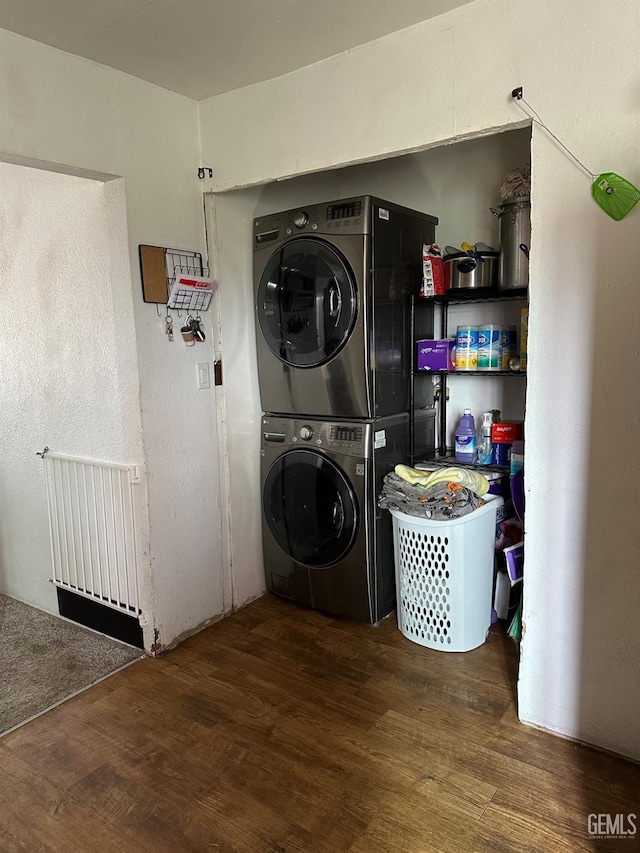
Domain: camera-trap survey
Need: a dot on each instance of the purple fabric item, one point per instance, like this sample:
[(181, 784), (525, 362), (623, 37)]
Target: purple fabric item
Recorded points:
[(517, 478)]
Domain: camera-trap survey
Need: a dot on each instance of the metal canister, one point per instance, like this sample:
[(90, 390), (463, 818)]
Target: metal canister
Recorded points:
[(515, 237), (477, 270)]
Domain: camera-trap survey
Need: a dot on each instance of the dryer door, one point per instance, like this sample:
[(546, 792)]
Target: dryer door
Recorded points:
[(306, 302), (311, 508)]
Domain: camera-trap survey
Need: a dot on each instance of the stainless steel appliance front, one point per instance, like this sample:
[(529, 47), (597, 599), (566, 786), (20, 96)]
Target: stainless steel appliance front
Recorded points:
[(326, 542), (332, 285)]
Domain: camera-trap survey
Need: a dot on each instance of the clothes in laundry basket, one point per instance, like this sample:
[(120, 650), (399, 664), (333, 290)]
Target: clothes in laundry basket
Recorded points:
[(443, 500), (473, 480)]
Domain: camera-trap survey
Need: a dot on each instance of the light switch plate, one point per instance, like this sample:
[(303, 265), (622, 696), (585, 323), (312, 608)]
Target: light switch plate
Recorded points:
[(204, 379)]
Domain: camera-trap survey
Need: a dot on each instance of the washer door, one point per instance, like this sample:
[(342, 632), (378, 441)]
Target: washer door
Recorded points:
[(306, 302), (311, 508)]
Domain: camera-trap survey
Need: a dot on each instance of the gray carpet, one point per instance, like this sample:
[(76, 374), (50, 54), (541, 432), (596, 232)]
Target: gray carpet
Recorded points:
[(45, 659)]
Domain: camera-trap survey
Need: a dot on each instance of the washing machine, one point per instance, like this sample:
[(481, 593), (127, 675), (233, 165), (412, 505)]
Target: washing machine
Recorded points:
[(326, 543), (333, 283)]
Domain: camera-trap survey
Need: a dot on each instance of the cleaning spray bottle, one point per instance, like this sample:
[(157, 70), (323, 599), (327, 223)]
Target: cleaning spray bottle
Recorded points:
[(466, 438), (484, 439)]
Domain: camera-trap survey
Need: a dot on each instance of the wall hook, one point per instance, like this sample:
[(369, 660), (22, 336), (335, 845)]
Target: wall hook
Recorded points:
[(46, 450)]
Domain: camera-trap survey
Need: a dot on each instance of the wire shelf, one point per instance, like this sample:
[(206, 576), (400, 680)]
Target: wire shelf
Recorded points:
[(449, 460), (486, 294)]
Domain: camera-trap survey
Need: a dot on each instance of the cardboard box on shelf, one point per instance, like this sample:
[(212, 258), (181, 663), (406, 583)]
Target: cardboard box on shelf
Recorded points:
[(524, 334), (436, 355), (506, 432)]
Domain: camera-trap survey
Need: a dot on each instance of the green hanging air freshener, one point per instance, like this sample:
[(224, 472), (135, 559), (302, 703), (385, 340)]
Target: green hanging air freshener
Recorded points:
[(615, 195)]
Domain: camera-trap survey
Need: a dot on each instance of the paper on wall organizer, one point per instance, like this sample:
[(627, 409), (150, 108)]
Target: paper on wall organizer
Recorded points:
[(191, 292)]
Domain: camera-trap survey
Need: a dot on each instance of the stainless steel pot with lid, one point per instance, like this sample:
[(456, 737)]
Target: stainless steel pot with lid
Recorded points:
[(463, 271), (515, 236)]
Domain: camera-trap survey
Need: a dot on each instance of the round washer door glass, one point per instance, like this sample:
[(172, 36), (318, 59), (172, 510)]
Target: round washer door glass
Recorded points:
[(306, 302), (310, 508)]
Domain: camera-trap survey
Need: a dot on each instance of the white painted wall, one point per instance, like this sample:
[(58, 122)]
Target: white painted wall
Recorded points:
[(67, 114), (68, 375), (451, 78), (229, 229)]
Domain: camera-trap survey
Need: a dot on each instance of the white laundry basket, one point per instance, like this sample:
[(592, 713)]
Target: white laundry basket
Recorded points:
[(444, 577)]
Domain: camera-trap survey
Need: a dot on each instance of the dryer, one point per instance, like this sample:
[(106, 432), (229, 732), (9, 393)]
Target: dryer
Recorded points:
[(333, 283), (326, 543)]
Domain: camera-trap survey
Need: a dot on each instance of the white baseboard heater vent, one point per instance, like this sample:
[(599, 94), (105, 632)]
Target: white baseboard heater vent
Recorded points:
[(92, 527)]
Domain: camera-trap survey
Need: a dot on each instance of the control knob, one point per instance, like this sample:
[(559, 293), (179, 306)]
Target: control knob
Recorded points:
[(300, 219), (306, 433)]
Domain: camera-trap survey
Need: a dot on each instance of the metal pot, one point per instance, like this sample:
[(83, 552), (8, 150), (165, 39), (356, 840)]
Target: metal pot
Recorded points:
[(515, 237), (464, 271)]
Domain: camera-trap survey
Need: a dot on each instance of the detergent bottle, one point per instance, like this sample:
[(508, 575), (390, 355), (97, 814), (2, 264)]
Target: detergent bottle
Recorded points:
[(466, 438)]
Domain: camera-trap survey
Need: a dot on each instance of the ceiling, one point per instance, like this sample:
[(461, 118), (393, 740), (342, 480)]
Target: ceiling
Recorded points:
[(202, 48)]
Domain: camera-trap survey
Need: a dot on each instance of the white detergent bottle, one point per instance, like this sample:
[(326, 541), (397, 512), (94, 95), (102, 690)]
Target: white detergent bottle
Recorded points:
[(484, 439), (466, 438)]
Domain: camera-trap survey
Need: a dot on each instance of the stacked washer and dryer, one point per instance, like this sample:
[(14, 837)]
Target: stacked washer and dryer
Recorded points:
[(333, 286)]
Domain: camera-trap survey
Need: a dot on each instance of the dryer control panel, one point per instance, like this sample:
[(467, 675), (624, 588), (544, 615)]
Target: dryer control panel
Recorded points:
[(344, 216), (344, 210)]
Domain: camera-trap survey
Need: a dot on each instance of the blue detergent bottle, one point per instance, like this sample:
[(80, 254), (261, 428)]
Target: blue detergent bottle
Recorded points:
[(466, 440)]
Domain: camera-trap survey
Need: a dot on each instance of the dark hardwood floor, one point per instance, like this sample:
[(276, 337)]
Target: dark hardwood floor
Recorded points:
[(280, 730)]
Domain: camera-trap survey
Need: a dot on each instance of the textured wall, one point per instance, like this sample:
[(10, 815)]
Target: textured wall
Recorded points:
[(68, 375)]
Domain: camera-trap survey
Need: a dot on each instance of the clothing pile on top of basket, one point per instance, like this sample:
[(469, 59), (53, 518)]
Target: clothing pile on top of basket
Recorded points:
[(440, 495)]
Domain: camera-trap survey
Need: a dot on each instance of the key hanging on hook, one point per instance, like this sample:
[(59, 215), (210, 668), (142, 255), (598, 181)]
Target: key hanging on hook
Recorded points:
[(198, 334)]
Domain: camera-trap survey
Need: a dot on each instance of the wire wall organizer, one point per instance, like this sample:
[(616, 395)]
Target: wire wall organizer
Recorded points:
[(176, 278)]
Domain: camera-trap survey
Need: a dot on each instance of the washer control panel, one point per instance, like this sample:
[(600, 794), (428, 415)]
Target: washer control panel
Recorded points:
[(350, 439), (300, 219), (306, 432), (345, 433)]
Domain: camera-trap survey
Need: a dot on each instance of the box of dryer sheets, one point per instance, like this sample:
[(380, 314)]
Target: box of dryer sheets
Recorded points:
[(436, 355)]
